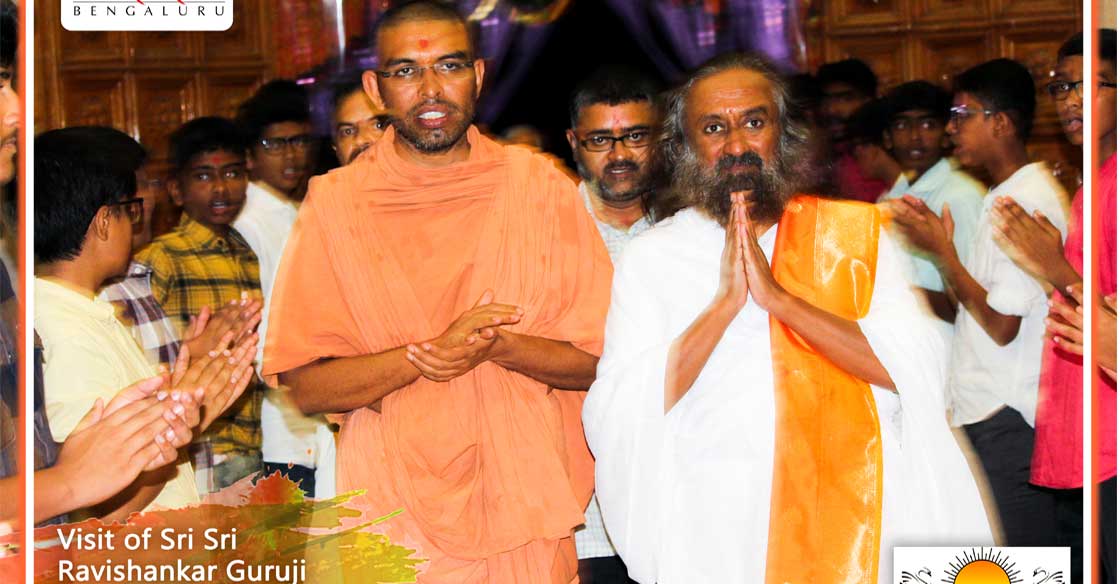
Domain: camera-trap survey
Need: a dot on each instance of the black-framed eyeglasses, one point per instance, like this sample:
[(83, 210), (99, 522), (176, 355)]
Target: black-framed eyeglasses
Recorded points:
[(604, 142), (133, 208), (960, 113), (1059, 90), (299, 142), (408, 74)]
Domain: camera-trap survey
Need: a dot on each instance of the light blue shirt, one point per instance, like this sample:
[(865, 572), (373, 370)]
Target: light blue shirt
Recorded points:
[(941, 184)]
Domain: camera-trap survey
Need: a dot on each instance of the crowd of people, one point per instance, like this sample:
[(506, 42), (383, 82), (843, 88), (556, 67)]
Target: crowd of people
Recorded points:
[(753, 338)]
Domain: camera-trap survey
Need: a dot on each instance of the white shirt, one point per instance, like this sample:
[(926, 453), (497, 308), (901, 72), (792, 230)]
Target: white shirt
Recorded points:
[(983, 376), (287, 436), (591, 539), (939, 185), (685, 494)]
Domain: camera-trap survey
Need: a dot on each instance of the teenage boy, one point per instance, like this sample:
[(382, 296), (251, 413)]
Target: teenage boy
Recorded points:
[(994, 367), (204, 262), (277, 123), (866, 127), (86, 209), (1036, 246), (845, 86), (917, 114)]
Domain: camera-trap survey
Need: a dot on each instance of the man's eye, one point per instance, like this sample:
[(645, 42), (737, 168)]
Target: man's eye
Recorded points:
[(449, 66), (233, 174), (755, 123), (405, 72), (928, 124), (713, 128), (598, 140), (347, 131), (202, 176), (381, 123)]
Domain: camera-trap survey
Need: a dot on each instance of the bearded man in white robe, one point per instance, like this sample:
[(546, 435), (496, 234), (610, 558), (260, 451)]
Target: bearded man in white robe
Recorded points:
[(769, 403)]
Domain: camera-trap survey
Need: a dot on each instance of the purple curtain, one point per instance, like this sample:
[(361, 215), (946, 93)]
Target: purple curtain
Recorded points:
[(679, 35)]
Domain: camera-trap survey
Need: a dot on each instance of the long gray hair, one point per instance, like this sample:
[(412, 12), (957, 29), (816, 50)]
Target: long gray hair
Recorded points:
[(792, 160)]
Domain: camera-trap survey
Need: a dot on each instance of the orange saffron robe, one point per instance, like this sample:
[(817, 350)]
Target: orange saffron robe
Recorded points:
[(491, 468), (826, 499)]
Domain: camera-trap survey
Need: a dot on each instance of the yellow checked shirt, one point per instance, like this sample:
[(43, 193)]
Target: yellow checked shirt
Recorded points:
[(193, 267)]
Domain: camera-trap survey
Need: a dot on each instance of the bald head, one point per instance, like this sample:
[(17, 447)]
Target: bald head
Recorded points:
[(421, 11)]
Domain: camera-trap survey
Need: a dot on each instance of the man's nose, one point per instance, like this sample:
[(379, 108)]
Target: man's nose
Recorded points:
[(429, 86), (736, 143)]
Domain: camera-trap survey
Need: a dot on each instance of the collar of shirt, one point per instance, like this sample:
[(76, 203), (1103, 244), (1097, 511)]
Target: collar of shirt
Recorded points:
[(933, 178), (201, 236), (638, 226), (263, 194), (64, 298), (1032, 173)]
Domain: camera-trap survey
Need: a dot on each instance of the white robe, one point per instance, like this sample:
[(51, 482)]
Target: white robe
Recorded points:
[(685, 494)]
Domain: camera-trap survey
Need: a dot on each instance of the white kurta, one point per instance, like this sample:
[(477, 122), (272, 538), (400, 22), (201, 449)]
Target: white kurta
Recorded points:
[(685, 494)]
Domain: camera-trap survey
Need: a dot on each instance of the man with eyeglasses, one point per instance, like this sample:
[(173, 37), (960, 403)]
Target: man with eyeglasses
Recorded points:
[(277, 122), (917, 114), (1001, 309), (1037, 247), (614, 117), (356, 125), (445, 295)]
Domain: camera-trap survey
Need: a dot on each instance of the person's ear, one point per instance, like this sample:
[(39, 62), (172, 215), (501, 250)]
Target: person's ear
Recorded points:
[(369, 85), (99, 228), (479, 75), (1003, 125), (174, 190), (571, 136), (887, 144)]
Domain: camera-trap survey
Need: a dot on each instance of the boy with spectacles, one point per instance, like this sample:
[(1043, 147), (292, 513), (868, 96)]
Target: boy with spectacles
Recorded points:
[(83, 237), (205, 262), (1037, 247), (917, 114), (278, 124), (997, 342)]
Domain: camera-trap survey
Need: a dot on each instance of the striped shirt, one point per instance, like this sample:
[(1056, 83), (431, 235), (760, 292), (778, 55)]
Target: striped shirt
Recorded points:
[(138, 310)]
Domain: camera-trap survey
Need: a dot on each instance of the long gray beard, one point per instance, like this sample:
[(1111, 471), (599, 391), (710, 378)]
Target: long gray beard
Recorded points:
[(709, 189)]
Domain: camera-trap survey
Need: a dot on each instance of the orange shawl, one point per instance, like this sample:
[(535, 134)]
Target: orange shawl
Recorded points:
[(826, 500), (491, 468)]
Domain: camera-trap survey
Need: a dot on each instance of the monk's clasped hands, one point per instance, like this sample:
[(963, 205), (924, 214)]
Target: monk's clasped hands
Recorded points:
[(470, 340), (744, 268)]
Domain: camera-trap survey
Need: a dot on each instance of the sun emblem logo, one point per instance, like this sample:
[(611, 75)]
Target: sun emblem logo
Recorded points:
[(986, 566), (981, 565)]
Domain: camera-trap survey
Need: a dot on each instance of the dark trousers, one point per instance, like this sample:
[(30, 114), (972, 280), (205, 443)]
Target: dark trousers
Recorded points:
[(300, 475), (1004, 443), (1107, 509), (1070, 528), (608, 570)]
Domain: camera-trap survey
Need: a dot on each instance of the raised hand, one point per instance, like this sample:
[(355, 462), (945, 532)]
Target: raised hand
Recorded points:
[(767, 292), (107, 451), (217, 378), (1031, 241), (733, 283), (921, 229), (206, 331), (1065, 322), (466, 343)]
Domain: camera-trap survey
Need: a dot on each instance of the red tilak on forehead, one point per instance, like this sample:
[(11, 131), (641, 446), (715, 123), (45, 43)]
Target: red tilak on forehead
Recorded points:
[(211, 160), (423, 43)]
